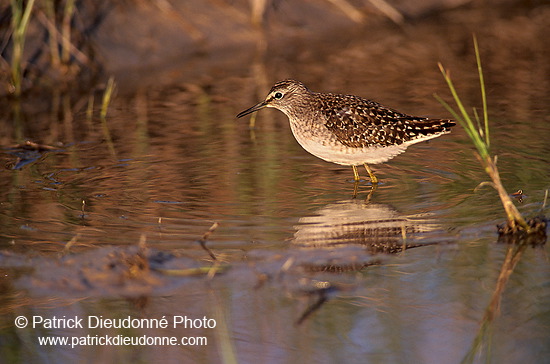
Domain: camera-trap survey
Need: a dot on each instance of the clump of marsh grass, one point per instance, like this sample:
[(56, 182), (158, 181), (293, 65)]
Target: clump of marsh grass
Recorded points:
[(19, 22), (479, 134), (57, 64)]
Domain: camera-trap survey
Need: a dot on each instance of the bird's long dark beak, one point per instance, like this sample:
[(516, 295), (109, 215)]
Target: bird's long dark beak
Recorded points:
[(256, 107)]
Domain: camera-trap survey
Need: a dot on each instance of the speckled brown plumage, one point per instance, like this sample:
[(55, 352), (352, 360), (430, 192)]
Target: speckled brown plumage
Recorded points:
[(347, 129), (358, 122)]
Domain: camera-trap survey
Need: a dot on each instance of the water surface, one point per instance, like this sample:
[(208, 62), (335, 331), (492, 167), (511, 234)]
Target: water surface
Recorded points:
[(407, 270)]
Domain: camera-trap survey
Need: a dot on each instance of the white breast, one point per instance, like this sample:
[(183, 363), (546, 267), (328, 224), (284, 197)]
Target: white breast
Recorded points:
[(324, 145)]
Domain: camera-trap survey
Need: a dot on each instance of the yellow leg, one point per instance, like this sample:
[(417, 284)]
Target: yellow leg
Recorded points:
[(373, 178), (371, 192), (355, 173), (355, 189)]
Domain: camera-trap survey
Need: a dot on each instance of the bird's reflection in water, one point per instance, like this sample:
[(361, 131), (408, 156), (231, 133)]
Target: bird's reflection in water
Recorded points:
[(378, 227), (346, 236)]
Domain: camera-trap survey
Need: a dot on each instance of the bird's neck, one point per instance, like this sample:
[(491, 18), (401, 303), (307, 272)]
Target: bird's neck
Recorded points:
[(301, 110)]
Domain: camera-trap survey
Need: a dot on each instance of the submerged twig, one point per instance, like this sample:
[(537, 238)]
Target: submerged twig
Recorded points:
[(202, 241), (69, 245), (313, 307), (321, 289)]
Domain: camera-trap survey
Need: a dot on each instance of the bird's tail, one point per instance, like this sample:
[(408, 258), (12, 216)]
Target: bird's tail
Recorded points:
[(433, 126)]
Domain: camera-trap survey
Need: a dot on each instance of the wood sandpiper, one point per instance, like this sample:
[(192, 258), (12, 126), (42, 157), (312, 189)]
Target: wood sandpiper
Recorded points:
[(346, 129)]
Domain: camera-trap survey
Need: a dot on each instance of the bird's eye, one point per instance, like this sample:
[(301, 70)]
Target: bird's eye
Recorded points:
[(278, 95)]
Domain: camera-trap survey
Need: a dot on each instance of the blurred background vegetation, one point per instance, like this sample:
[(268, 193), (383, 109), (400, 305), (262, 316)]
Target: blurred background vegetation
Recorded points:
[(71, 43)]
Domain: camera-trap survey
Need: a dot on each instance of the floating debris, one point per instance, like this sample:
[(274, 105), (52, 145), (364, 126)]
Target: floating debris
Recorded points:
[(27, 153)]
